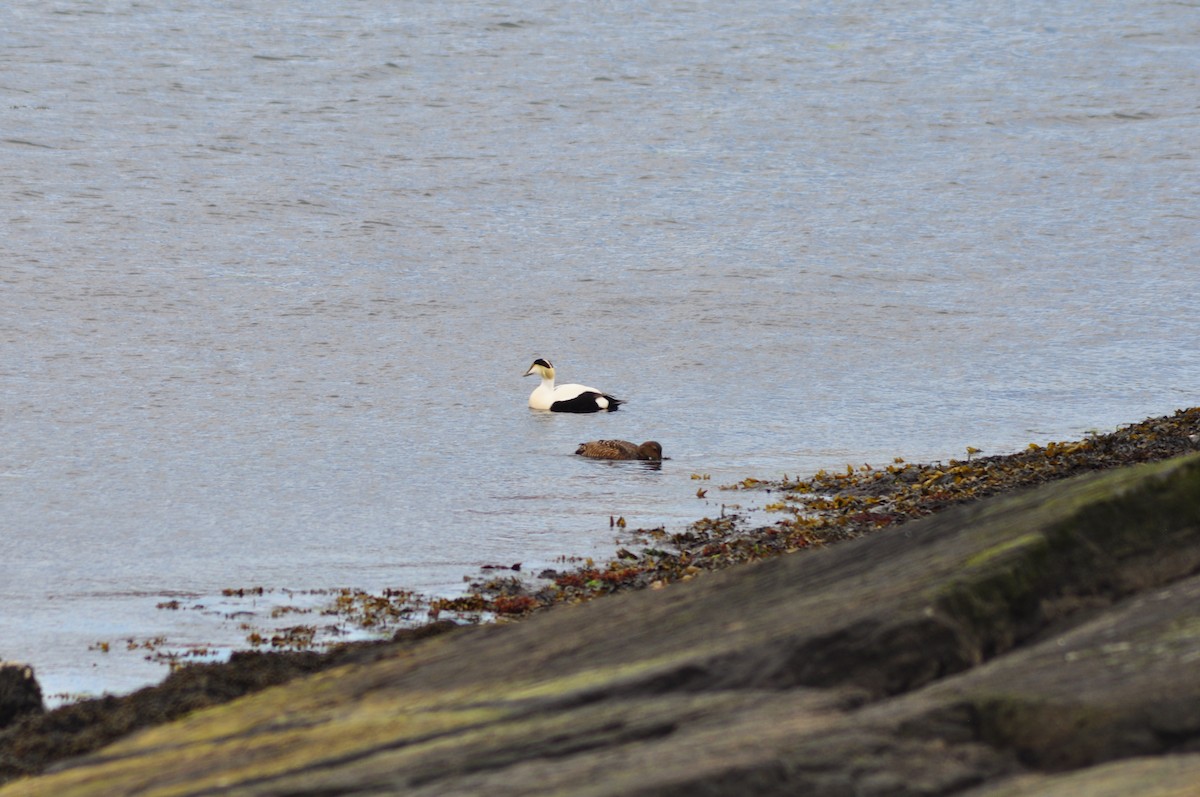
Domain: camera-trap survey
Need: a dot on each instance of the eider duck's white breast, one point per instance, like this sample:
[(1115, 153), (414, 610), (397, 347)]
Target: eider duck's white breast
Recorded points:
[(566, 398)]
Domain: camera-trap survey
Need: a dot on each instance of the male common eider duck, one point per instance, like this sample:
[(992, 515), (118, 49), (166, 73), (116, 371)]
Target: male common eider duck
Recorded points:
[(566, 398), (620, 449)]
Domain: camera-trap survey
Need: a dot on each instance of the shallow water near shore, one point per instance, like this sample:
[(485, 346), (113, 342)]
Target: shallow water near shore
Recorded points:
[(272, 276)]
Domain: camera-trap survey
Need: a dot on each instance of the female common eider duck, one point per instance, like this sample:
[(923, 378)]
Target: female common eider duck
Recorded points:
[(620, 449), (566, 398)]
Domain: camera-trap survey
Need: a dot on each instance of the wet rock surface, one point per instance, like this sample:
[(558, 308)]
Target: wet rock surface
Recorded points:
[(1040, 643)]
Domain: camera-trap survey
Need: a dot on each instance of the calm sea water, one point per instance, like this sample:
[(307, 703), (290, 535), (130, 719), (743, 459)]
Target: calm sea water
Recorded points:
[(271, 275)]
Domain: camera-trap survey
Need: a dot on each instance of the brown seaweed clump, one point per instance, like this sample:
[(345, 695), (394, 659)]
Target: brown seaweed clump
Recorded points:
[(849, 504)]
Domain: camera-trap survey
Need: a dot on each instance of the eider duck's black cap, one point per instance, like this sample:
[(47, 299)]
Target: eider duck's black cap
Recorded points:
[(543, 363)]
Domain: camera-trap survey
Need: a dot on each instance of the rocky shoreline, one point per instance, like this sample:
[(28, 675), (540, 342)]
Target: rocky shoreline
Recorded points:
[(1009, 646), (834, 506)]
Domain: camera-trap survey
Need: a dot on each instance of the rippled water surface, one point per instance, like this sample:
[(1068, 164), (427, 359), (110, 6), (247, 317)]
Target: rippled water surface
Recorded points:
[(271, 276)]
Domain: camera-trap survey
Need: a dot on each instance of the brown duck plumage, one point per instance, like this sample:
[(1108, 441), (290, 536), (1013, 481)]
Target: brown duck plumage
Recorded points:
[(620, 449)]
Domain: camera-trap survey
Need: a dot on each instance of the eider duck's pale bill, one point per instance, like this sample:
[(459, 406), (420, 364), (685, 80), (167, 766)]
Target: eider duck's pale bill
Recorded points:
[(542, 368)]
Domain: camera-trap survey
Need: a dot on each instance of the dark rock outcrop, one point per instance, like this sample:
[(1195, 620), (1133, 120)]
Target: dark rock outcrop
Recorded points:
[(20, 694)]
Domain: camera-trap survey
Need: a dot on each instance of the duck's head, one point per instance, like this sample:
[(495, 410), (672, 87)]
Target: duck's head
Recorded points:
[(650, 450), (542, 368)]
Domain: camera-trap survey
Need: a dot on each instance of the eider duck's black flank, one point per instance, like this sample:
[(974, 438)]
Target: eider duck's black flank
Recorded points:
[(585, 402), (621, 449), (566, 398)]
